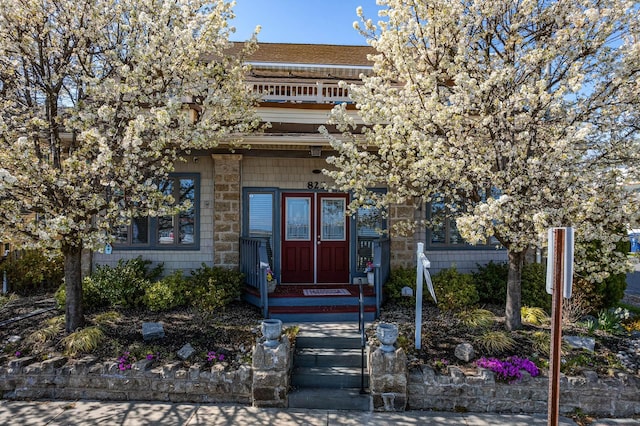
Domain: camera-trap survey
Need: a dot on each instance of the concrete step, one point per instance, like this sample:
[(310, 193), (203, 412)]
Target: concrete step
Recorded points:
[(330, 336), (328, 377), (328, 357), (336, 399), (328, 342)]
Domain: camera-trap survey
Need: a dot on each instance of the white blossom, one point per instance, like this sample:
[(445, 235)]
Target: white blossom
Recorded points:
[(92, 109), (538, 101)]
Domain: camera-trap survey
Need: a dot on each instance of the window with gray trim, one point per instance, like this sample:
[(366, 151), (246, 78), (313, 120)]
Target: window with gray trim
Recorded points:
[(178, 231)]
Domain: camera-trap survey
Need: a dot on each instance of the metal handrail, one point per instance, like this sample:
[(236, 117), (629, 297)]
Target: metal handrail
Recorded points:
[(363, 337)]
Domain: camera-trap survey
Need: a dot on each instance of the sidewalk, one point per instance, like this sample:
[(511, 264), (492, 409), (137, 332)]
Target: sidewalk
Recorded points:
[(161, 413)]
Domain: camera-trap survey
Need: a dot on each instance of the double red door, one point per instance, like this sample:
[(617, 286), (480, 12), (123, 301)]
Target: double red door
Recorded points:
[(315, 238)]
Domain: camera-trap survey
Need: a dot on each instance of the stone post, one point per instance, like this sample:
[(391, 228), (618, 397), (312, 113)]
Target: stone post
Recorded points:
[(271, 367), (388, 380), (227, 209)]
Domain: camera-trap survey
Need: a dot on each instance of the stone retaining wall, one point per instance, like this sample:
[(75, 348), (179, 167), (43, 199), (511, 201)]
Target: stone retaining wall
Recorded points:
[(24, 378), (58, 378), (618, 396)]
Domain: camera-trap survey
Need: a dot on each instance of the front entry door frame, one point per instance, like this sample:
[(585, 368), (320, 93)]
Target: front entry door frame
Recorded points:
[(315, 242)]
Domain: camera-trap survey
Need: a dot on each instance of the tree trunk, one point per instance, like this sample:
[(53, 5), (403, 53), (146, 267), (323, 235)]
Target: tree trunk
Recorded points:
[(74, 315), (514, 290)]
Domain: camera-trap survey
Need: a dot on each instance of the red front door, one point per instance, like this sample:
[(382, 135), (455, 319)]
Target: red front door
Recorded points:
[(315, 238)]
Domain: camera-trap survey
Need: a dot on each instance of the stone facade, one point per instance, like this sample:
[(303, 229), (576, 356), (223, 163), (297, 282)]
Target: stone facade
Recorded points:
[(271, 374), (618, 396), (227, 211), (388, 380), (24, 378)]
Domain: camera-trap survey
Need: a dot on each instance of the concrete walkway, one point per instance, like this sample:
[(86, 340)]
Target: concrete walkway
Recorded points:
[(160, 413)]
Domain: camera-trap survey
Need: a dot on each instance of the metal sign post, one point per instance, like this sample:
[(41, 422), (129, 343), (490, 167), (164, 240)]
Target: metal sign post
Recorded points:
[(422, 272), (559, 281)]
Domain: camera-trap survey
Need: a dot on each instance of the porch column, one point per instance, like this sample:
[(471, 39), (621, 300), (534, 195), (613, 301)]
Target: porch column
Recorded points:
[(226, 209)]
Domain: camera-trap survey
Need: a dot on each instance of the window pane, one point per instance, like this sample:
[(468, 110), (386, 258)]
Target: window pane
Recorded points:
[(187, 217), (438, 222), (260, 215), (140, 230), (165, 230), (165, 223), (333, 219), (121, 234), (298, 219), (368, 220), (454, 236)]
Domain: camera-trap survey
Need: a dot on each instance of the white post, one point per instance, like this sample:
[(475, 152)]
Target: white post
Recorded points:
[(419, 275), (4, 283)]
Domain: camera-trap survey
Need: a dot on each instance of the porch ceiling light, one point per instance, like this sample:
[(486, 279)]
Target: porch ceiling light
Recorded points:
[(316, 151)]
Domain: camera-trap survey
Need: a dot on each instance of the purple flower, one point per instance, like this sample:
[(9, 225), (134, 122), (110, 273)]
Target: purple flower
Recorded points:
[(510, 369), (18, 354), (150, 357)]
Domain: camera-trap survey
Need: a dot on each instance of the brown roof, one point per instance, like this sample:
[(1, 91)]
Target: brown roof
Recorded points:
[(317, 54)]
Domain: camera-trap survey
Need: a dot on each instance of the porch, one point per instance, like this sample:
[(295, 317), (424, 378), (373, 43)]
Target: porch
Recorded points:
[(302, 302)]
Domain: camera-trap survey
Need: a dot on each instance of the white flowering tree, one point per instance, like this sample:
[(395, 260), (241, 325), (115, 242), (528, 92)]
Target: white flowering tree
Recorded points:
[(98, 100), (520, 115)]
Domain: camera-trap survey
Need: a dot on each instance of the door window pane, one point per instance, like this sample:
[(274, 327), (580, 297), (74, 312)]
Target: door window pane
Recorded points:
[(260, 215), (333, 219), (298, 219)]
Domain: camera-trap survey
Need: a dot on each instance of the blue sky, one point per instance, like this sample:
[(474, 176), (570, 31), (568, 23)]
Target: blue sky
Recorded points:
[(301, 21)]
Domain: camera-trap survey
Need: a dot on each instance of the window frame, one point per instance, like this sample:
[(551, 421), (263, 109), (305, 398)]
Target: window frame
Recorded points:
[(153, 223)]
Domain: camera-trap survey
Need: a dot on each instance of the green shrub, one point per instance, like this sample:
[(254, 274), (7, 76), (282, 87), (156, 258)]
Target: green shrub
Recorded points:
[(215, 287), (33, 271), (91, 295), (121, 286), (490, 281), (398, 279), (168, 293), (605, 294), (602, 295), (455, 291), (534, 286)]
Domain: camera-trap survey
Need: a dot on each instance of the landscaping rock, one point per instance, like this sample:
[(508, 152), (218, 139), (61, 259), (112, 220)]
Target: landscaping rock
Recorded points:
[(407, 292), (588, 343), (14, 339), (152, 330), (465, 352), (186, 351)]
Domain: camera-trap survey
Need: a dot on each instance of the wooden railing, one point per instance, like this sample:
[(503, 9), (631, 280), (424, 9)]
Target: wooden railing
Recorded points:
[(318, 92)]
